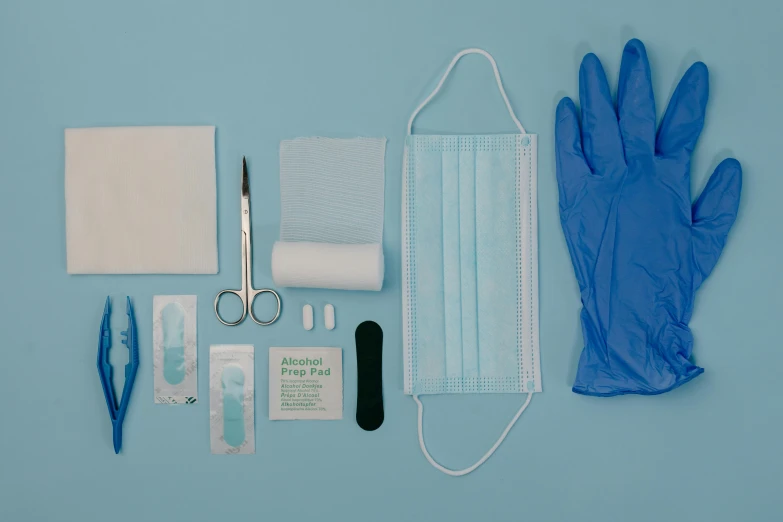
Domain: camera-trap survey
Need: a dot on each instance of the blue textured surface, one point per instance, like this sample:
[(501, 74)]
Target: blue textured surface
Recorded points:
[(262, 72)]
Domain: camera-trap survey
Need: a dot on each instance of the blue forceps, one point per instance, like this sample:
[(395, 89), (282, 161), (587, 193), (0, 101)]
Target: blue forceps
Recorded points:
[(247, 294), (117, 413)]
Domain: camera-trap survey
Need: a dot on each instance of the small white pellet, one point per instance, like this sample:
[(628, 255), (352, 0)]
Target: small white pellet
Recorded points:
[(307, 317), (329, 317)]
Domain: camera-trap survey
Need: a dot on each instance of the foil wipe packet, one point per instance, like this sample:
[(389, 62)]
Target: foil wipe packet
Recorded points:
[(305, 383)]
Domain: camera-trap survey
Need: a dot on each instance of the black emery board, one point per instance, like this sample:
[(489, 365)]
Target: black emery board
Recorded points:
[(369, 356)]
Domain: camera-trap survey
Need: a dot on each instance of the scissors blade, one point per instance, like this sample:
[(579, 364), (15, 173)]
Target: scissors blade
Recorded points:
[(245, 183)]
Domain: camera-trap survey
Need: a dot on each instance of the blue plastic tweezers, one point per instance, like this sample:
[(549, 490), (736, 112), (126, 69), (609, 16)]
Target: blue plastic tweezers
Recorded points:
[(116, 413)]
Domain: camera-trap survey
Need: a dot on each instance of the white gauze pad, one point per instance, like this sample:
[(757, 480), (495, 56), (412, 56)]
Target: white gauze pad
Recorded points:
[(141, 200)]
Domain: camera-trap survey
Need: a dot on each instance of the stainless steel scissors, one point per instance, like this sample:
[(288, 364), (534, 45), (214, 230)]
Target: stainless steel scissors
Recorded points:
[(247, 294)]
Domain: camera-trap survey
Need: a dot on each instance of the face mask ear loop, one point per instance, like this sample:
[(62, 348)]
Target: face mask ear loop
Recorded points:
[(482, 460), (454, 61)]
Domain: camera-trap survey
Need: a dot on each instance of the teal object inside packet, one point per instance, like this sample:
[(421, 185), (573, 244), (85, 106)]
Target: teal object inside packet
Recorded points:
[(233, 383), (173, 321)]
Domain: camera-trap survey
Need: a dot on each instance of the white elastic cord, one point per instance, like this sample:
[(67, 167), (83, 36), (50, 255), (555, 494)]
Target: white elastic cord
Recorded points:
[(446, 74), (482, 460)]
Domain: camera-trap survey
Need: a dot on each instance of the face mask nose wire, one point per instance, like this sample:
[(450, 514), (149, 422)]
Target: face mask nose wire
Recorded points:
[(482, 460)]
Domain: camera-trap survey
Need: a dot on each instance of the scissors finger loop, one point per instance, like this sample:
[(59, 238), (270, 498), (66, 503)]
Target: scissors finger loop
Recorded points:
[(244, 307), (250, 306)]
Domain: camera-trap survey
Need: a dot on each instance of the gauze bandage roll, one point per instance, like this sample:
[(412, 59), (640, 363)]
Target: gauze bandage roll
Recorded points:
[(331, 206), (325, 265)]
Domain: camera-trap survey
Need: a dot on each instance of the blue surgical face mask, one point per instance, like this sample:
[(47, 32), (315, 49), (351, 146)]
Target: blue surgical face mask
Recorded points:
[(470, 274)]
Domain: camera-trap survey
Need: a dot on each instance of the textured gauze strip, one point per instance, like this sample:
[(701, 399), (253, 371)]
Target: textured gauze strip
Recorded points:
[(331, 226)]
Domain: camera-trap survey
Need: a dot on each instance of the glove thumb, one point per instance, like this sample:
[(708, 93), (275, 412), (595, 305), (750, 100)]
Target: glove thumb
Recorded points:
[(713, 214)]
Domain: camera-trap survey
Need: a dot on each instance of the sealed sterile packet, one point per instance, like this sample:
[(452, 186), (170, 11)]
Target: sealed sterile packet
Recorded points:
[(231, 400), (174, 364), (305, 383)]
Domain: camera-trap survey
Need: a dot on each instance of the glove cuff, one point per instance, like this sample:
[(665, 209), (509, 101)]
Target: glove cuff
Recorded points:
[(641, 359)]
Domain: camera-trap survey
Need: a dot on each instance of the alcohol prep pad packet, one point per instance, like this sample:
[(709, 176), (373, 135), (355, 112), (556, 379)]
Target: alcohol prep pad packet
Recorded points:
[(305, 383)]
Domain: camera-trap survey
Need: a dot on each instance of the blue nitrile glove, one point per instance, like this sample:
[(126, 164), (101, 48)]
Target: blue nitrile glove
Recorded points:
[(640, 250)]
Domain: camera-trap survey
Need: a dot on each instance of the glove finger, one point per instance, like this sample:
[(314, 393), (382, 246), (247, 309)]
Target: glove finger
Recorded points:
[(684, 116), (601, 142), (714, 214), (636, 102), (571, 165)]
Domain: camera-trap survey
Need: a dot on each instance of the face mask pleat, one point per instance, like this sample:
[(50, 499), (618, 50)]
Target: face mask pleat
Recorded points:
[(496, 265), (428, 243)]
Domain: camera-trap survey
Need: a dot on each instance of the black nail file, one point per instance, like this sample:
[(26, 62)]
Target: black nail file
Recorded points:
[(369, 399)]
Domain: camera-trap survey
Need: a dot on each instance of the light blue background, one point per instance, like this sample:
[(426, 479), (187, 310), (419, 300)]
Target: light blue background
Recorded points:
[(262, 72)]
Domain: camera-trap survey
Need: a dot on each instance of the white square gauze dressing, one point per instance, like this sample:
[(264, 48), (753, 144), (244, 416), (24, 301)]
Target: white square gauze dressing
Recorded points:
[(140, 200)]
